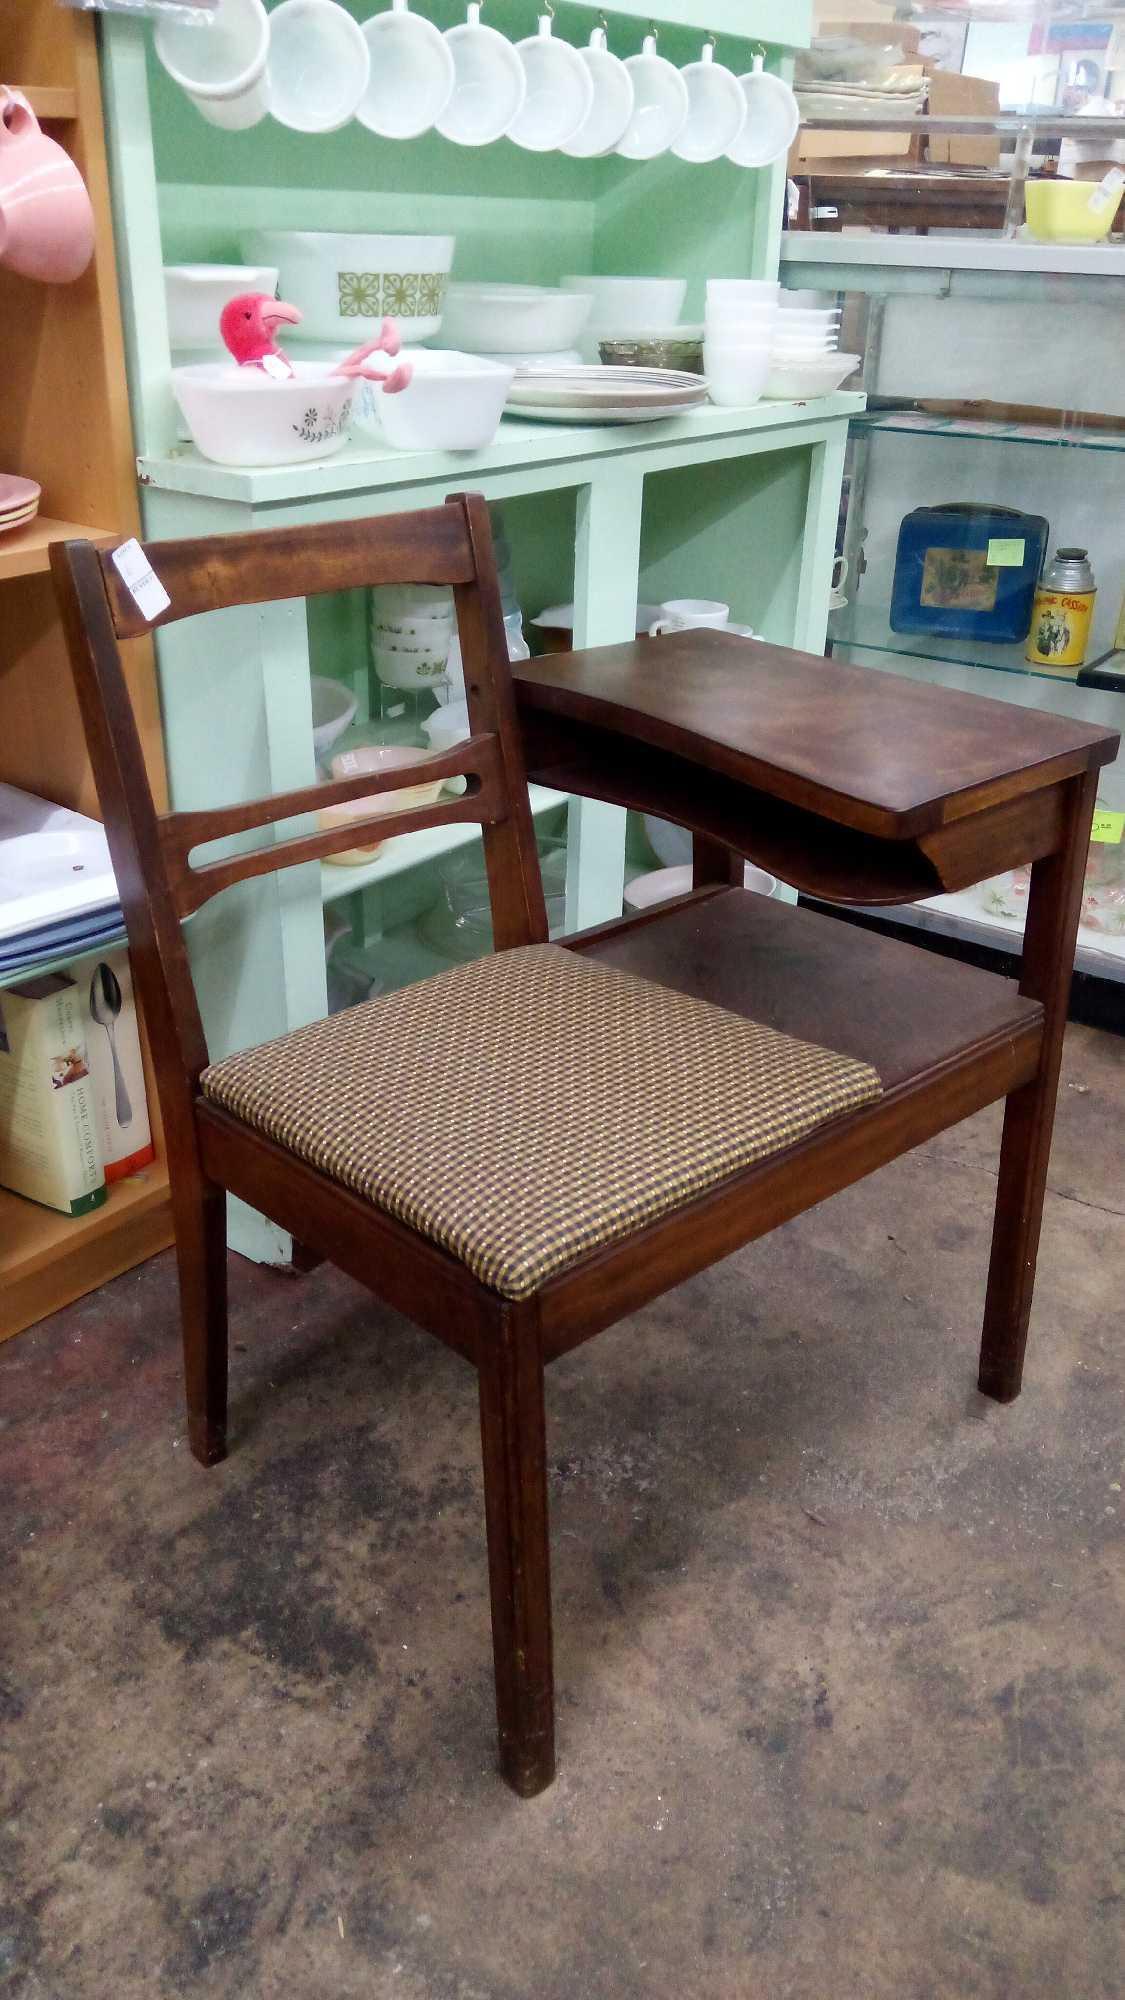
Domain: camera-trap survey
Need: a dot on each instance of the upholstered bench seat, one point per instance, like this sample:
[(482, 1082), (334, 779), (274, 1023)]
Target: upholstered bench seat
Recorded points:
[(528, 1108)]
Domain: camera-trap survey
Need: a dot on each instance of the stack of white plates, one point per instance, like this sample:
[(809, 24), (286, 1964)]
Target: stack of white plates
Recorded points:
[(603, 395), (901, 94), (19, 501)]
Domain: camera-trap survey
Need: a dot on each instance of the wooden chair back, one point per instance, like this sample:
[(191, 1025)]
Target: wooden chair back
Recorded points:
[(158, 880)]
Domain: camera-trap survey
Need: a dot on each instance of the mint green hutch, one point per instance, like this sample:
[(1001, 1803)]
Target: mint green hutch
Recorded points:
[(738, 504)]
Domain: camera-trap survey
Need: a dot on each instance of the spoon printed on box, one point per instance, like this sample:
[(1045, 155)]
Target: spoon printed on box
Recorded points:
[(106, 1003)]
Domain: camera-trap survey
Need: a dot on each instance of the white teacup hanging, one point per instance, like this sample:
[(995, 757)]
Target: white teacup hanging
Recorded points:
[(489, 83), (613, 99), (773, 118), (716, 109), (560, 91), (412, 74), (660, 104)]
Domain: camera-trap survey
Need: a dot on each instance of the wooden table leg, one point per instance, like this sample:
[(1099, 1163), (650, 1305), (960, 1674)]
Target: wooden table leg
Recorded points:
[(1048, 963), (712, 862), (513, 1437)]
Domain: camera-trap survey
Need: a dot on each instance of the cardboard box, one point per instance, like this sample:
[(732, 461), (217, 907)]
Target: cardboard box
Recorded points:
[(844, 148), (968, 97), (48, 1120)]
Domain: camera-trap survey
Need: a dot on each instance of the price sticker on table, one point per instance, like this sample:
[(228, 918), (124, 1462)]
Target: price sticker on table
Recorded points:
[(1108, 828)]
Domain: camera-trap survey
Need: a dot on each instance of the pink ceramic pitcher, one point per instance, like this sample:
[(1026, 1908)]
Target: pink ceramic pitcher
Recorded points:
[(46, 221)]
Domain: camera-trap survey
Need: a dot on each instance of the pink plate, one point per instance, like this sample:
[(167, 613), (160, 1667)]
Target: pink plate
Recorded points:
[(16, 494)]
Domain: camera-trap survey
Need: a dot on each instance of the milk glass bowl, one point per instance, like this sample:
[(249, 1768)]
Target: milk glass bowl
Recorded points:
[(660, 105), (772, 119), (716, 109), (412, 74), (489, 83), (221, 63), (612, 107), (559, 96), (318, 68)]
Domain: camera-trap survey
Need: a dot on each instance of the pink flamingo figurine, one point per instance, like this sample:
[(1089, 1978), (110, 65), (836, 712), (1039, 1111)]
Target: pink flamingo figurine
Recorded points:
[(248, 325)]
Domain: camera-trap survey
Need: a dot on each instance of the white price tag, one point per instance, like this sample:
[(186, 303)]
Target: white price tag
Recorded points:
[(140, 580), (277, 367), (1106, 191)]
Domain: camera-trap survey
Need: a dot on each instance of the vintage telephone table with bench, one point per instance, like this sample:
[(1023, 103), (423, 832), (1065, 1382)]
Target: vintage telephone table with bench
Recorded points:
[(521, 1151)]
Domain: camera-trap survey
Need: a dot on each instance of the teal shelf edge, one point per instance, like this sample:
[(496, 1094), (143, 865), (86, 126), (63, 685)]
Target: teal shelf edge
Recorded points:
[(864, 631), (519, 446), (413, 850), (63, 959), (979, 265), (988, 430)]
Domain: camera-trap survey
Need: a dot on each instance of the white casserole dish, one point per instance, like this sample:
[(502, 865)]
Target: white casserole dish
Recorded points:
[(454, 403), (512, 319), (197, 293), (345, 284)]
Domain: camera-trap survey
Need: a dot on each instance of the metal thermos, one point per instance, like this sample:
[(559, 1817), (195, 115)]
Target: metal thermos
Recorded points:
[(1062, 613)]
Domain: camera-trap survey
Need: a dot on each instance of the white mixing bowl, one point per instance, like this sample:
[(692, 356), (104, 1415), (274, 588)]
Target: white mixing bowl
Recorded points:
[(239, 416), (454, 403), (345, 284)]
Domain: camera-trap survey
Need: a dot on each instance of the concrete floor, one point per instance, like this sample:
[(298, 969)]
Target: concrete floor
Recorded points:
[(838, 1643)]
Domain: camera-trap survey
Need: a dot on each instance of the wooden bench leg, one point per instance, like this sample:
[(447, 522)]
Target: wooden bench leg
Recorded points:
[(712, 862), (201, 1251), (1048, 961), (513, 1439)]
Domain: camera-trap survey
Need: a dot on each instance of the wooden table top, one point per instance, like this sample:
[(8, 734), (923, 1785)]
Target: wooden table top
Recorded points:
[(874, 751)]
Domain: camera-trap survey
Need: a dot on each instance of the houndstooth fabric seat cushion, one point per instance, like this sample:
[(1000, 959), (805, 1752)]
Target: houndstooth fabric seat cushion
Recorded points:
[(526, 1109)]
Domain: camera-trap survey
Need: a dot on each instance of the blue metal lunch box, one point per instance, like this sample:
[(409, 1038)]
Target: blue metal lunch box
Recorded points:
[(965, 571)]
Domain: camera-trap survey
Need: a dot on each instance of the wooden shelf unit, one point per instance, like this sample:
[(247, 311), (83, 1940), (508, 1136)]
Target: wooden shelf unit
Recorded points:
[(51, 103), (23, 551), (64, 420), (45, 1253)]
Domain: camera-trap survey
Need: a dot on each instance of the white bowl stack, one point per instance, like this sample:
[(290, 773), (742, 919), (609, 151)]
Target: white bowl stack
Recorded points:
[(756, 344), (738, 334), (411, 633), (806, 357)]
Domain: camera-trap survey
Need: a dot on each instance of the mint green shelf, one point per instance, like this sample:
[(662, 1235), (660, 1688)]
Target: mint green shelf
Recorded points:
[(519, 447)]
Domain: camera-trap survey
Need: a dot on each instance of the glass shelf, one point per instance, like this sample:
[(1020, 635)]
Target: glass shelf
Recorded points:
[(962, 915), (867, 629), (990, 430)]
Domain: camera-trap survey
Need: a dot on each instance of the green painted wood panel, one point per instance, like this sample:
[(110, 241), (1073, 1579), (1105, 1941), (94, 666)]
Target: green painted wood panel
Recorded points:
[(592, 513)]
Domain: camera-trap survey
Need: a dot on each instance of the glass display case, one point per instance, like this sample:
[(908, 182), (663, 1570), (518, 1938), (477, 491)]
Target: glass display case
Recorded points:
[(989, 318)]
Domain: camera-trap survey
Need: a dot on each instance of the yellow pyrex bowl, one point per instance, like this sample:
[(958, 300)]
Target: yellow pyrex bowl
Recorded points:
[(1060, 211)]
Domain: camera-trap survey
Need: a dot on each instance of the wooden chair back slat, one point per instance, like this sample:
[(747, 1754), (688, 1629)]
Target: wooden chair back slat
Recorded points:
[(194, 883), (211, 574)]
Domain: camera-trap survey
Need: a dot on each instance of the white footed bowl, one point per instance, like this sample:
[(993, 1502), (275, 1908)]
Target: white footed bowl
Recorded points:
[(238, 416)]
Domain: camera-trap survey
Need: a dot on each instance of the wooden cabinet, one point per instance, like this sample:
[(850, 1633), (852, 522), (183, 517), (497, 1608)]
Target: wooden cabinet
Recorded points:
[(64, 420)]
